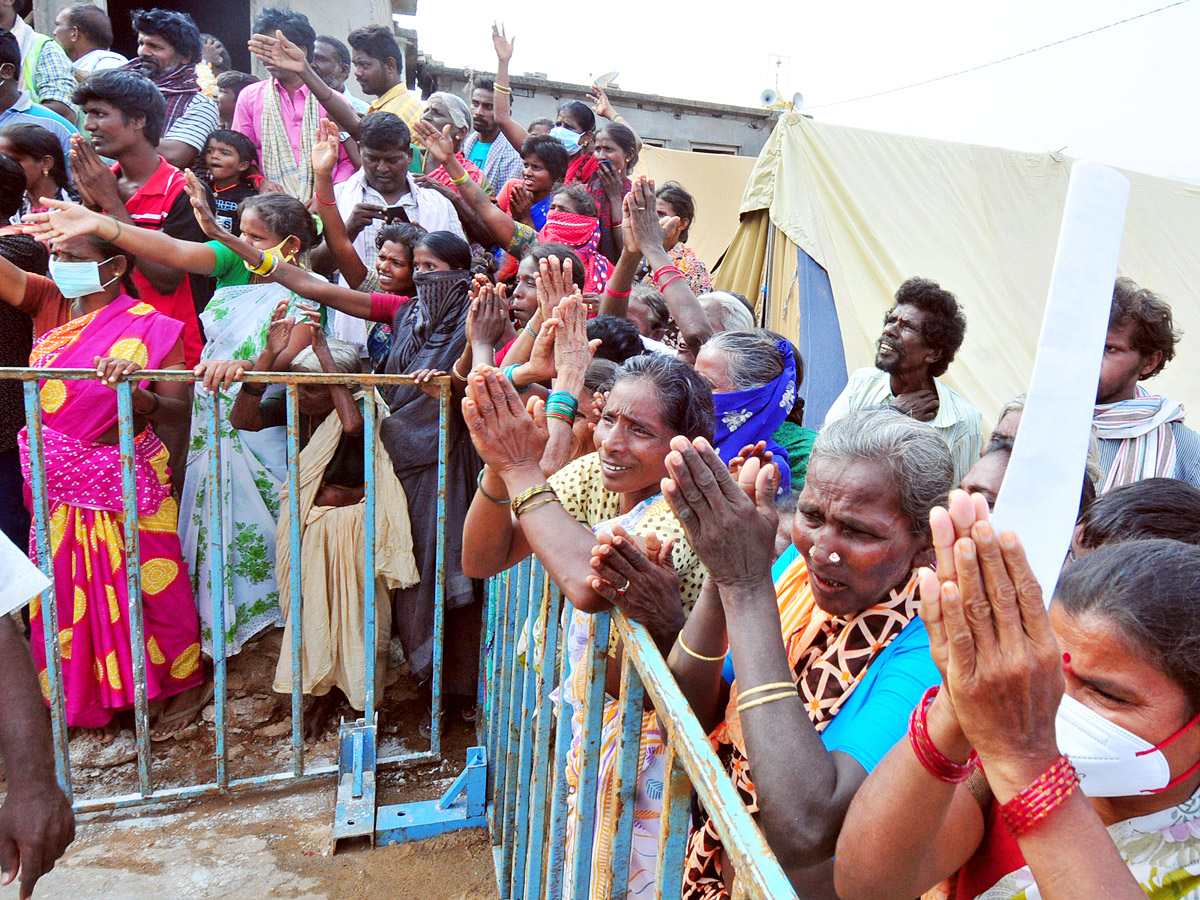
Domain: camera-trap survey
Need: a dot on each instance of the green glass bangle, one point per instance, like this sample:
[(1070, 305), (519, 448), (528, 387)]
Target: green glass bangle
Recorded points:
[(486, 495)]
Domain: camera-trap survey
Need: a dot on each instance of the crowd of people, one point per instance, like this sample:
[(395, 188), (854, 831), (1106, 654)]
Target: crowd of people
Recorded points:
[(611, 413)]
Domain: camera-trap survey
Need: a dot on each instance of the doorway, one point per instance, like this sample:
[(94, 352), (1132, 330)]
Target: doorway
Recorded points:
[(228, 20)]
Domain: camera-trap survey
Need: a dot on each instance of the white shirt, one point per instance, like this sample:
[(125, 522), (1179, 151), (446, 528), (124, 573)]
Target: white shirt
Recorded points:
[(424, 206), (98, 61)]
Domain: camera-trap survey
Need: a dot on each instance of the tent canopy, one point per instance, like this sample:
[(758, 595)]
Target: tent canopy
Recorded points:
[(872, 209)]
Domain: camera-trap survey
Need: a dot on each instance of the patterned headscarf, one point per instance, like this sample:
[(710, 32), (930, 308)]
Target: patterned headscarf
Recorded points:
[(581, 234), (750, 416)]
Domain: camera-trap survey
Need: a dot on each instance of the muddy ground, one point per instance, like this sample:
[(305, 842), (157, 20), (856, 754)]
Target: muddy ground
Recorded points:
[(269, 842)]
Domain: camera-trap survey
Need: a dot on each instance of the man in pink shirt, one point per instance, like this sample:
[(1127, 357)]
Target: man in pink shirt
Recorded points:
[(280, 115)]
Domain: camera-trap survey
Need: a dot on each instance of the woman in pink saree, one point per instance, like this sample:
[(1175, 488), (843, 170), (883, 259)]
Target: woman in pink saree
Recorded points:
[(117, 335)]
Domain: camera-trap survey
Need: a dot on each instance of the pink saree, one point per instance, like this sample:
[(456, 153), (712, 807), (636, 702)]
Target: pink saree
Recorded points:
[(87, 542)]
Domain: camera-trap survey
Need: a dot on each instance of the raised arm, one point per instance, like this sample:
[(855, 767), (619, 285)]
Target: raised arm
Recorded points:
[(512, 130), (603, 108), (441, 146), (804, 792), (694, 328), (615, 299), (278, 51), (337, 241), (69, 220), (511, 444)]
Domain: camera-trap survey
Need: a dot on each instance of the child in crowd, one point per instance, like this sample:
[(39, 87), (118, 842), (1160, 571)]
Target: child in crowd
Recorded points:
[(229, 85), (232, 165)]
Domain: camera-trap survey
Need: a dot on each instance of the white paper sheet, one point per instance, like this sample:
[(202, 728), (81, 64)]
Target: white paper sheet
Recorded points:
[(1039, 499), (22, 579)]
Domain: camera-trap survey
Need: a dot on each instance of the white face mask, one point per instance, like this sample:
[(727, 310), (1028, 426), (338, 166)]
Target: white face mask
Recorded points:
[(1110, 760), (79, 279)]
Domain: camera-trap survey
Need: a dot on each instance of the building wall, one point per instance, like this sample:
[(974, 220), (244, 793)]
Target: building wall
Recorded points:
[(661, 121)]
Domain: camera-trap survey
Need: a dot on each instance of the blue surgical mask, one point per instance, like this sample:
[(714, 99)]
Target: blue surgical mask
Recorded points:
[(78, 279), (566, 137)]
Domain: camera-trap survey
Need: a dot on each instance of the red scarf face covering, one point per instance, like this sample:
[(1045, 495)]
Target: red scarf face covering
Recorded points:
[(569, 228)]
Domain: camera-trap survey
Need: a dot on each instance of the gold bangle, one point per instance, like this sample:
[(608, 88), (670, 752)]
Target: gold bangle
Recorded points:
[(692, 653), (742, 707), (534, 505), (529, 494), (742, 695), (454, 371), (618, 117), (503, 88), (466, 176)]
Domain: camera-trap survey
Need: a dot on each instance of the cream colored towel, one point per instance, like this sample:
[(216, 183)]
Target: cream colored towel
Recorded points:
[(332, 569)]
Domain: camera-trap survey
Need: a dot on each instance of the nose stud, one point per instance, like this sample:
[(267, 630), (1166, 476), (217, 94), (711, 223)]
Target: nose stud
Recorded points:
[(834, 558)]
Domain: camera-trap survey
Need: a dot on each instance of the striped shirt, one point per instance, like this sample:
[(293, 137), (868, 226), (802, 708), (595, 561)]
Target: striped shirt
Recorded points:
[(1187, 454), (958, 422), (198, 120), (501, 163), (53, 75)]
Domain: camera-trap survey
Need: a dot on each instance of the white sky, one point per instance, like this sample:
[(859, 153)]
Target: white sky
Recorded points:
[(1120, 97)]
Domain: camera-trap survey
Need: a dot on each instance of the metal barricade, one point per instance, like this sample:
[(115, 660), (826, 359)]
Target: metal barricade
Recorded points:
[(223, 781), (527, 746)]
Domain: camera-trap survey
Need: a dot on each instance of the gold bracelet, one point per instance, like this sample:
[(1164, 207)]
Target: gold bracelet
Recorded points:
[(454, 371), (503, 88), (534, 505), (529, 494), (692, 653), (742, 707), (618, 117), (742, 695), (466, 176)]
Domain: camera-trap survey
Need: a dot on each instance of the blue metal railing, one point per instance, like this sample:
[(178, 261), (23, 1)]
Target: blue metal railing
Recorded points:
[(217, 542), (527, 746)]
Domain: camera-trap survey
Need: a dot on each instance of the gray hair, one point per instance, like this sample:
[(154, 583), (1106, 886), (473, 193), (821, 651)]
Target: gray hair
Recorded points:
[(752, 358), (460, 113), (734, 314), (1094, 471), (345, 359), (918, 459)]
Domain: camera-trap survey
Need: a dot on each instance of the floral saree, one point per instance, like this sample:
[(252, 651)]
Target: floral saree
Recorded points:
[(87, 541)]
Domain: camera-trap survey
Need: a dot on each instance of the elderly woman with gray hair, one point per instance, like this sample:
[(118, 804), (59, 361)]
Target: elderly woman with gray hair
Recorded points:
[(755, 377), (332, 501), (450, 115), (833, 625)]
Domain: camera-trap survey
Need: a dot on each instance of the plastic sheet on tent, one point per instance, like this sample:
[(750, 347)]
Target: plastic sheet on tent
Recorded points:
[(872, 209)]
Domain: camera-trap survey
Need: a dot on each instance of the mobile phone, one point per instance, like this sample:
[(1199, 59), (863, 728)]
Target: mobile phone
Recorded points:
[(395, 214)]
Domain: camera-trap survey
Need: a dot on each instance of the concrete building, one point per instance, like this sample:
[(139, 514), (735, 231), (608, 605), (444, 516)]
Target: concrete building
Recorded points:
[(661, 121)]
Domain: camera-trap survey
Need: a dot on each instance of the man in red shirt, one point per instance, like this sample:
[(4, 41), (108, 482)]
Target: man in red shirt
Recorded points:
[(124, 115)]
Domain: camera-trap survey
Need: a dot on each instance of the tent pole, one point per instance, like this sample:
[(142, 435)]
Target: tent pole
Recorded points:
[(764, 309)]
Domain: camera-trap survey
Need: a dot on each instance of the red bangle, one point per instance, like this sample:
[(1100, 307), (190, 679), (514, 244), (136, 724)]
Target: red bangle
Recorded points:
[(558, 415), (321, 199), (666, 268), (928, 755), (620, 295), (1041, 798), (666, 284)]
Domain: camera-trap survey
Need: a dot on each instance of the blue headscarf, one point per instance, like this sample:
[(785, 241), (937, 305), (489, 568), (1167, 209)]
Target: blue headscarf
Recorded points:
[(747, 417)]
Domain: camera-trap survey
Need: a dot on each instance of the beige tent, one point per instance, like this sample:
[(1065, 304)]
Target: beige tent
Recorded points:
[(871, 209)]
